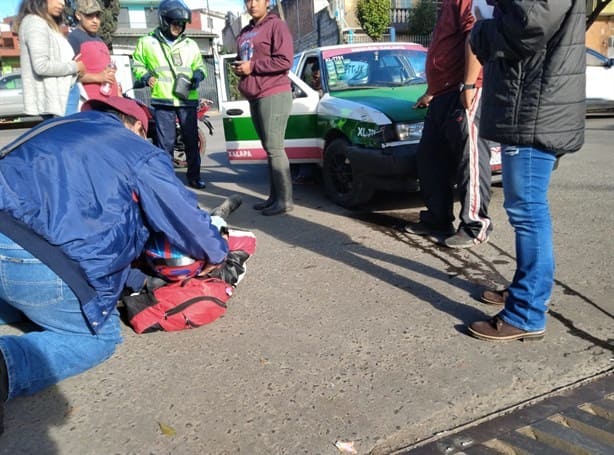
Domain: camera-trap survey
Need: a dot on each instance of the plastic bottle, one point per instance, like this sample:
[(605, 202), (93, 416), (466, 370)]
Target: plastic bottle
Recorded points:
[(105, 87)]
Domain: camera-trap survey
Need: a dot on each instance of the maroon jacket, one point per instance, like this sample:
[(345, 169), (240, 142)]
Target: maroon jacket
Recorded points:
[(445, 61), (270, 48)]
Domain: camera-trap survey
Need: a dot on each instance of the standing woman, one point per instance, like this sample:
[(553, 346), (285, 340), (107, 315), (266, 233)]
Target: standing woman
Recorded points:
[(48, 70), (266, 51)]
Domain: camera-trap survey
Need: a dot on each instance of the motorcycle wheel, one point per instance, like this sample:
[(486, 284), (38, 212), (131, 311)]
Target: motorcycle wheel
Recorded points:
[(202, 140), (179, 152)]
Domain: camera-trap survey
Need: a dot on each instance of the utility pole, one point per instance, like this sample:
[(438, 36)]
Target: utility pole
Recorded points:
[(280, 9), (209, 20)]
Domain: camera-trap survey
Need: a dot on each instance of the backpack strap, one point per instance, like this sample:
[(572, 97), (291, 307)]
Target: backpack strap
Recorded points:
[(33, 133)]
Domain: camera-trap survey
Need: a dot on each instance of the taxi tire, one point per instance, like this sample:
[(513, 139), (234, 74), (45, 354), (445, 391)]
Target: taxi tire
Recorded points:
[(339, 181)]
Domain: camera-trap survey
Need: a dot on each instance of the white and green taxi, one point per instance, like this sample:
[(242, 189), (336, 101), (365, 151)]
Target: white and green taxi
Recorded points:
[(360, 127)]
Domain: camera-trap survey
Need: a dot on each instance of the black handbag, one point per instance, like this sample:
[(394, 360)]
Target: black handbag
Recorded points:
[(182, 86), (183, 83)]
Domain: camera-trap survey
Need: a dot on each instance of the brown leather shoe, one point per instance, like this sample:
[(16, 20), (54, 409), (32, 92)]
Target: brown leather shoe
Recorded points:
[(494, 296), (496, 329)]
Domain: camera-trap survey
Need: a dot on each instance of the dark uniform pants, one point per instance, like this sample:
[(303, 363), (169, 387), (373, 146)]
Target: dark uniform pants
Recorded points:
[(165, 117)]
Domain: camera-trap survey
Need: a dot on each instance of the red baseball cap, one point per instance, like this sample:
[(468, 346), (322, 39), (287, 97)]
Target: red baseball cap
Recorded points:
[(126, 106)]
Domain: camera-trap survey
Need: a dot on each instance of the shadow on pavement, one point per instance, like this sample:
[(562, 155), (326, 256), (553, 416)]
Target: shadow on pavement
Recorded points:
[(338, 246), (28, 419)]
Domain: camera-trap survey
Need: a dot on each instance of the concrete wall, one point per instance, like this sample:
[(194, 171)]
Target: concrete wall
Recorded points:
[(600, 36), (310, 30), (299, 16), (326, 32)]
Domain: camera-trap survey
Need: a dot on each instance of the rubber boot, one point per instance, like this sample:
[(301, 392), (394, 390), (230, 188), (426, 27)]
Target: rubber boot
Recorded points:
[(282, 182), (272, 194), (229, 205)]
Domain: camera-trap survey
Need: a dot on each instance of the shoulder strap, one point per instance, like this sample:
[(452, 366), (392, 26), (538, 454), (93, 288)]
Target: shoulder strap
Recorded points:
[(32, 133), (170, 65)]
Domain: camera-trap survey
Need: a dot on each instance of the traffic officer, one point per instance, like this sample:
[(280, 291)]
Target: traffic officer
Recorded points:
[(171, 64)]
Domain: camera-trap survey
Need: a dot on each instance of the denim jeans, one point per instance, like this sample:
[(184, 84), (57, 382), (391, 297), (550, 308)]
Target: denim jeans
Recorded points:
[(526, 175), (63, 343), (72, 105)]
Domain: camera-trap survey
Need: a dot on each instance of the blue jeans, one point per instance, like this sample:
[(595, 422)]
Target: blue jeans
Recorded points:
[(526, 175), (72, 105), (63, 345)]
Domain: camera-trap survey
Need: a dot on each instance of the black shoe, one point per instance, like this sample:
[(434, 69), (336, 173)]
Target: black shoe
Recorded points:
[(463, 240), (423, 228), (229, 205), (197, 184)]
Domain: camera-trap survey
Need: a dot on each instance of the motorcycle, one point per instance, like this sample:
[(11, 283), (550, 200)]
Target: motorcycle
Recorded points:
[(204, 126)]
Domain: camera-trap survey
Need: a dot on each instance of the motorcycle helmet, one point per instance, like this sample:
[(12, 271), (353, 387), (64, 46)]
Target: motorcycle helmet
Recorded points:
[(172, 11), (169, 262)]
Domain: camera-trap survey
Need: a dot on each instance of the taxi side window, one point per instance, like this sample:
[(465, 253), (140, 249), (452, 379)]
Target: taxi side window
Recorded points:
[(10, 82), (307, 74)]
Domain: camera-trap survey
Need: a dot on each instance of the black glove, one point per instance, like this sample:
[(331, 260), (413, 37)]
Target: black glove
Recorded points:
[(197, 78), (232, 269)]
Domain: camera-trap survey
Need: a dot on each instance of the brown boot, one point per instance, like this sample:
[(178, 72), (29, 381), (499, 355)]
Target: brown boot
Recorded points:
[(494, 297), (496, 329)]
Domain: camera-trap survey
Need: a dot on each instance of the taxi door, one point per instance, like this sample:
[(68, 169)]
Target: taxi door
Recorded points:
[(242, 143)]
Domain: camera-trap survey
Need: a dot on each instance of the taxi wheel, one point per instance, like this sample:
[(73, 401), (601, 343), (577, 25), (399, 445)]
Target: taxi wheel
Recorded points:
[(340, 183)]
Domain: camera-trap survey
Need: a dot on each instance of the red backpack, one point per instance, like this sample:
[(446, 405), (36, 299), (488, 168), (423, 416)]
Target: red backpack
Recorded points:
[(178, 305), (193, 302)]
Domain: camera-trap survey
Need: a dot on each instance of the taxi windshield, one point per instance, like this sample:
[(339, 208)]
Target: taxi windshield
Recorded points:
[(373, 67)]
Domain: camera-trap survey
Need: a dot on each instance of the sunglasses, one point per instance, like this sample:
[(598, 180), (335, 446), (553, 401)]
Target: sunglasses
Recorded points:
[(177, 23)]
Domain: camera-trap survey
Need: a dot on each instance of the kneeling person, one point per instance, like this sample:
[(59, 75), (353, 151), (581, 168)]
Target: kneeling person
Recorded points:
[(80, 197)]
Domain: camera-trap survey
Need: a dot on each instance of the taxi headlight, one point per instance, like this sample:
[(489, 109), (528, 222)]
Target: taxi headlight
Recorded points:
[(409, 131)]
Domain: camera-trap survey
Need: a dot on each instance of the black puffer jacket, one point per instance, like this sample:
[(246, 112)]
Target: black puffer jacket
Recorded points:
[(534, 60)]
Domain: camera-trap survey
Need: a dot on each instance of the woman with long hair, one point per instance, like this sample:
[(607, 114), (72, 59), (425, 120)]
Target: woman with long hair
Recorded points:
[(48, 67)]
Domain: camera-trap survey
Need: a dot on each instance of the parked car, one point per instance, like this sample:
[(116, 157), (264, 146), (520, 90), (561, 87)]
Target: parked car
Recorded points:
[(360, 127), (599, 82), (11, 95)]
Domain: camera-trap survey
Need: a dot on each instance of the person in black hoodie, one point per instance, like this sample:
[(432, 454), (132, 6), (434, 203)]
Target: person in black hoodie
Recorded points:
[(533, 103)]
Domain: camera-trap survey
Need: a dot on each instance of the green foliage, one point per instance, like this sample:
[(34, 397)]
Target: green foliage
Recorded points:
[(422, 18), (108, 18), (233, 84), (374, 17)]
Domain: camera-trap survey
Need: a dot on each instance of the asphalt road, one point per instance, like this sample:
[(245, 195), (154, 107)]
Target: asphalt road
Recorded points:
[(343, 329)]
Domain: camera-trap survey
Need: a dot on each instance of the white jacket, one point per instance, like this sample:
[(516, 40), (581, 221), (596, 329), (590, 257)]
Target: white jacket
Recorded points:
[(47, 67)]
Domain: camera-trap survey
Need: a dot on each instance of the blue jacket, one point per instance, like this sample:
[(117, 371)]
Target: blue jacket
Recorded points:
[(88, 193)]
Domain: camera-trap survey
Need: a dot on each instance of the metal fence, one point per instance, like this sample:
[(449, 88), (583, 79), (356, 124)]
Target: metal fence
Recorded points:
[(358, 36)]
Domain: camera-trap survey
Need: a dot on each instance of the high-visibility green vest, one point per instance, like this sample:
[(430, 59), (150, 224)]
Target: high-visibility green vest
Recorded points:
[(149, 60)]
